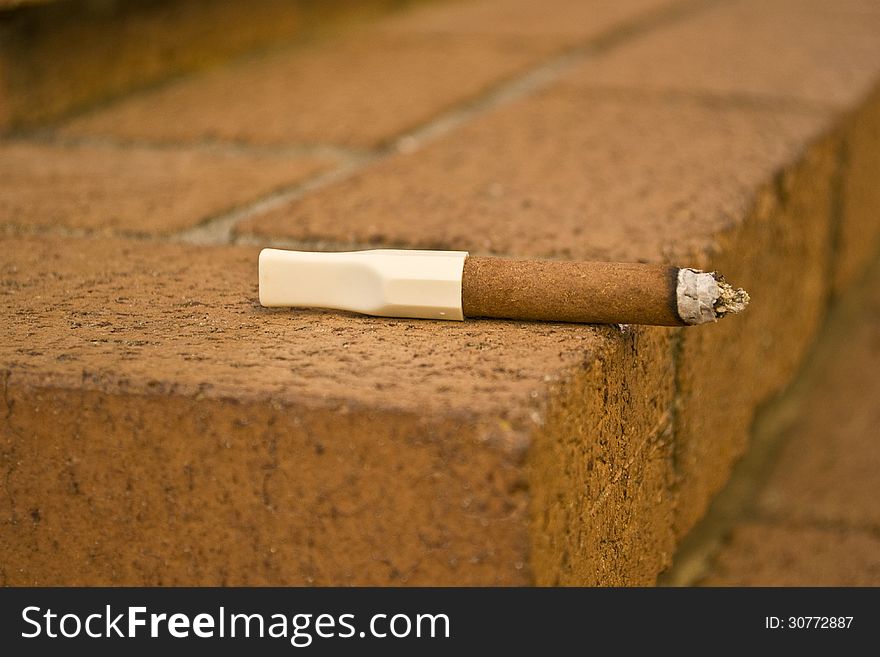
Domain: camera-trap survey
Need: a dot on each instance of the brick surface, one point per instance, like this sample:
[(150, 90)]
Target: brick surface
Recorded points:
[(560, 187), (569, 23), (602, 469), (829, 470), (135, 190), (354, 91), (118, 350), (811, 518), (66, 55), (163, 490), (635, 181), (161, 427), (727, 370), (825, 53), (699, 190), (360, 89), (766, 555), (858, 239), (86, 311), (5, 4), (266, 494)]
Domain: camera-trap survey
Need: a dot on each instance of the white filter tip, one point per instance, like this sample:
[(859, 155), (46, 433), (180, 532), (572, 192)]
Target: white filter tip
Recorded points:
[(386, 282)]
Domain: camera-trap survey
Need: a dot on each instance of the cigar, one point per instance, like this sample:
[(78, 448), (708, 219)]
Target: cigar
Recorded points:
[(454, 285)]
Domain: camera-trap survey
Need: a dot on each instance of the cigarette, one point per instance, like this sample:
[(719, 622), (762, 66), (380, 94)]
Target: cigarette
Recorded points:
[(453, 285)]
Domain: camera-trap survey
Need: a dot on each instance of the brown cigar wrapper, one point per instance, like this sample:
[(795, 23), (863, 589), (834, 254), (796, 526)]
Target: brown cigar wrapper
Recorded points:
[(587, 292)]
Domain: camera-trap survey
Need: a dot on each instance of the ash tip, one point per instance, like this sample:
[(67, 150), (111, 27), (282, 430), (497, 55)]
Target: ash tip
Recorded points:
[(704, 297), (731, 300)]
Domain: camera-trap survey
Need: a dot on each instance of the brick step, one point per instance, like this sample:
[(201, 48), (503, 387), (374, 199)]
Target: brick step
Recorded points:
[(59, 56), (162, 428), (800, 508)]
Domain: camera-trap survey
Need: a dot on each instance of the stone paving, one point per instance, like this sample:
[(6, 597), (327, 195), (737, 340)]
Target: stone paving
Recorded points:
[(161, 427)]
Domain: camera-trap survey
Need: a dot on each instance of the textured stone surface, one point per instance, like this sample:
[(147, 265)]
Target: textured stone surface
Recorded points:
[(781, 254), (155, 489), (806, 513), (635, 181), (699, 191), (121, 45), (767, 555), (5, 4), (142, 382), (364, 89), (857, 241), (568, 23), (602, 468), (69, 55), (829, 470), (779, 49), (171, 318), (138, 190), (161, 427), (357, 90)]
